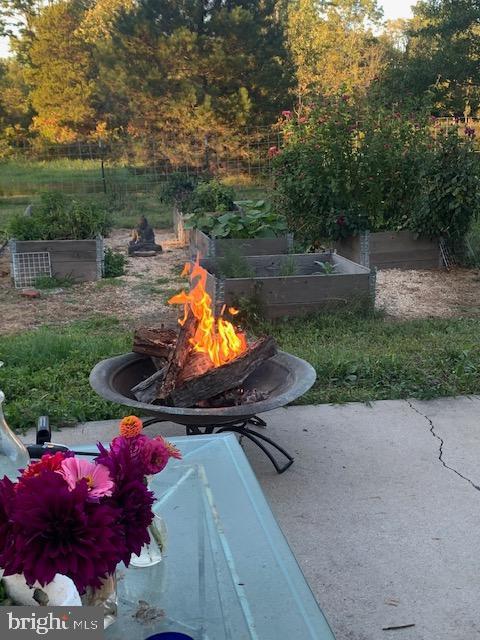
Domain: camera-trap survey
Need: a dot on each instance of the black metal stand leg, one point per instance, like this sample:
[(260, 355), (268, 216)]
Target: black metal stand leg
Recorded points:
[(150, 421), (244, 432), (257, 422), (258, 439)]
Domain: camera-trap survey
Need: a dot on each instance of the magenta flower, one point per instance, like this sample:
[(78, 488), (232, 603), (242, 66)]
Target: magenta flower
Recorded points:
[(97, 477), (156, 453), (7, 497), (287, 114), (56, 530), (130, 496), (273, 151)]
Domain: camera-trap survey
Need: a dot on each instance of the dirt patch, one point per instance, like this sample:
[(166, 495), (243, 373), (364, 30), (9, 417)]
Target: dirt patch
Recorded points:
[(138, 297), (423, 294)]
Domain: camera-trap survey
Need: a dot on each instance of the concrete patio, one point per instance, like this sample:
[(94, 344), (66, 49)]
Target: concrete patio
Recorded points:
[(381, 508)]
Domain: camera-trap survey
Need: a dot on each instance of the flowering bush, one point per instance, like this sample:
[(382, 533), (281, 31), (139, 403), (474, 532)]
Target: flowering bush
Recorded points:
[(348, 167), (80, 518)]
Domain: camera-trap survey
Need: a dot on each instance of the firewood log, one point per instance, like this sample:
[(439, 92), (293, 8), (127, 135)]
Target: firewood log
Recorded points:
[(219, 379), (158, 343)]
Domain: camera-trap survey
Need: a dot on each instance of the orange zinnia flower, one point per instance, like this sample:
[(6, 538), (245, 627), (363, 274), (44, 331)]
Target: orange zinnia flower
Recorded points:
[(130, 427)]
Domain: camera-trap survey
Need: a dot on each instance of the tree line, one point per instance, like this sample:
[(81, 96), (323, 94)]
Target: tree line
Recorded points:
[(158, 69)]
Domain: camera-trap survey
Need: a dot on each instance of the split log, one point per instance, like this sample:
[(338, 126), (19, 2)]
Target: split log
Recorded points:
[(147, 390), (158, 343), (220, 379), (178, 357)]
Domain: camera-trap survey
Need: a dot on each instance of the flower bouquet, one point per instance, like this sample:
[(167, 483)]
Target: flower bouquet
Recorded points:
[(67, 522)]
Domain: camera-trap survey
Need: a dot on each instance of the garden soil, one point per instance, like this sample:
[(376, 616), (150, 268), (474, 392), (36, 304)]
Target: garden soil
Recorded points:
[(137, 298)]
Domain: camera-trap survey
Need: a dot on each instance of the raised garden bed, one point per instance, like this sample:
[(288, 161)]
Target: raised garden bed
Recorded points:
[(391, 250), (308, 289), (80, 260), (207, 247)]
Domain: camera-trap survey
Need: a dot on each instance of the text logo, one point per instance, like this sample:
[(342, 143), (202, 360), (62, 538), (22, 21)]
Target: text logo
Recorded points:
[(55, 623)]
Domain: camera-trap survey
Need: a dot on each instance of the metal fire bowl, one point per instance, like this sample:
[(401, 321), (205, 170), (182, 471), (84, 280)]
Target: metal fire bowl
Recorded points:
[(284, 377)]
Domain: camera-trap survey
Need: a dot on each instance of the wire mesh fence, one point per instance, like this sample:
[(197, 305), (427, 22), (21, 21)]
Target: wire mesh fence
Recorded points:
[(133, 166)]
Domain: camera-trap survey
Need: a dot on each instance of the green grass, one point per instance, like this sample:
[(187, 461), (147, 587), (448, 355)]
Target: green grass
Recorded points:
[(24, 177), (356, 358), (46, 371), (368, 358)]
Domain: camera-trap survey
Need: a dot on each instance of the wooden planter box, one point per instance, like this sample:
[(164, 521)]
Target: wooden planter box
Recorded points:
[(80, 260), (391, 250), (208, 247), (294, 295)]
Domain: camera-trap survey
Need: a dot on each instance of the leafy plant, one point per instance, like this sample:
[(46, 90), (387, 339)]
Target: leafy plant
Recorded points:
[(327, 267), (54, 282), (288, 267), (114, 264), (61, 217), (252, 219), (234, 265), (450, 197)]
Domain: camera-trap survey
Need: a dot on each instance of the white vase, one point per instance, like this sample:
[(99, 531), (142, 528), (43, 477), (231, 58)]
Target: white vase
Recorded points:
[(151, 553)]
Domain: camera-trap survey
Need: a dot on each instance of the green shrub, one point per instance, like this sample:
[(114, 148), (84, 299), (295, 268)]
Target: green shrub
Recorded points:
[(450, 197), (347, 167), (209, 196), (61, 217), (471, 257), (114, 264), (177, 187)]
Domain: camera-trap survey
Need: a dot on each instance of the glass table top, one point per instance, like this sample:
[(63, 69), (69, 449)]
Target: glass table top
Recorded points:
[(227, 571)]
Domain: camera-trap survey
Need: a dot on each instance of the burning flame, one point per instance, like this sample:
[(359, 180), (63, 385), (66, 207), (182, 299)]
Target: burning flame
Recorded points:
[(217, 338)]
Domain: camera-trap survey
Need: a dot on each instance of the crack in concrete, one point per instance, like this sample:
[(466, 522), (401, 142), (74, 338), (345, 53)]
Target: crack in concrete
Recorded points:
[(442, 444)]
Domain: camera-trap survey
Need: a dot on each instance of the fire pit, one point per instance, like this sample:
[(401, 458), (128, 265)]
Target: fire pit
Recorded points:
[(283, 378), (207, 374)]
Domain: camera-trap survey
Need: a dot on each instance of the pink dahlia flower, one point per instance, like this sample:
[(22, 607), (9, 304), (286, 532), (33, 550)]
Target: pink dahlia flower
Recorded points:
[(99, 482)]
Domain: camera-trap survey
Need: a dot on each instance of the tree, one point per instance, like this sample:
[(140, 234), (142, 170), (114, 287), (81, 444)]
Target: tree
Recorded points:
[(442, 56), (62, 74), (333, 46)]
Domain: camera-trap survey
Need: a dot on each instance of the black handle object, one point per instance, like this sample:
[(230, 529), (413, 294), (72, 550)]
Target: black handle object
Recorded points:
[(44, 433), (36, 451)]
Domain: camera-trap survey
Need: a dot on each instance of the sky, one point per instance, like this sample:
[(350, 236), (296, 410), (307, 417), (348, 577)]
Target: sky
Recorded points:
[(392, 9), (397, 8)]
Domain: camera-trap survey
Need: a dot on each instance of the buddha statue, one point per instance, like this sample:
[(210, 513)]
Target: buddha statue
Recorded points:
[(143, 238)]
